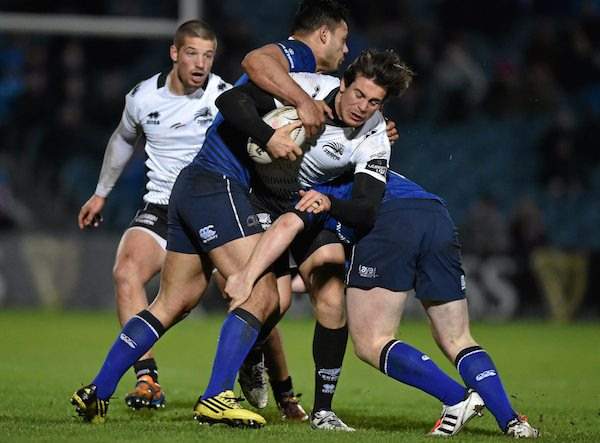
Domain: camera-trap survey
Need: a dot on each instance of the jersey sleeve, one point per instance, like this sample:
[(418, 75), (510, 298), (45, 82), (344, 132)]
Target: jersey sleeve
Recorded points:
[(299, 56), (372, 155), (130, 120)]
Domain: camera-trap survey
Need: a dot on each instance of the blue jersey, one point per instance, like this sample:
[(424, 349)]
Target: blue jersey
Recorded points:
[(215, 155), (397, 187)]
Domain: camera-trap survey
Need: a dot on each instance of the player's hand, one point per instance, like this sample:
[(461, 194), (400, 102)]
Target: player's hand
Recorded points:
[(313, 202), (280, 145), (238, 289), (89, 214), (392, 131), (312, 114)]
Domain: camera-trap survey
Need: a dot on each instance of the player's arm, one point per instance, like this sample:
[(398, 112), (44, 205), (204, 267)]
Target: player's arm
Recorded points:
[(271, 245), (118, 152), (359, 212), (268, 68), (242, 107)]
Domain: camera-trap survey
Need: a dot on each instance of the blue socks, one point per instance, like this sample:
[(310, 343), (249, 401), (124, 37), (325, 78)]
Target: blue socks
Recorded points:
[(237, 338), (478, 372), (137, 336), (410, 366)]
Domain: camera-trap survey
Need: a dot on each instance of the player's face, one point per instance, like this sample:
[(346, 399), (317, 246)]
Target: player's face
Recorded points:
[(335, 46), (357, 102), (193, 61)]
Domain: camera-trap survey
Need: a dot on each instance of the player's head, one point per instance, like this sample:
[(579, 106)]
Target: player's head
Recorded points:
[(323, 25), (368, 82), (193, 52)]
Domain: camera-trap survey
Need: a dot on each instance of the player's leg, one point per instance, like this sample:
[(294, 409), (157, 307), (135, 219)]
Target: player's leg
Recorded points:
[(441, 289), (276, 363), (323, 272), (450, 328), (140, 256), (238, 334), (183, 280), (373, 319)]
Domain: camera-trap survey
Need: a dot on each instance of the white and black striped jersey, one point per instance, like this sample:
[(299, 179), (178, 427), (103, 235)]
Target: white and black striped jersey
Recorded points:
[(174, 127), (339, 149)]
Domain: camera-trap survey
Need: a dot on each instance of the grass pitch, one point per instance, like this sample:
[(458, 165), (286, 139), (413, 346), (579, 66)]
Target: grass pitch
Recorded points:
[(552, 373)]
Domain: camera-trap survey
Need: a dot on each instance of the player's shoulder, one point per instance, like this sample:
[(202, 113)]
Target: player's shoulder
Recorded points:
[(216, 84), (146, 89), (318, 86)]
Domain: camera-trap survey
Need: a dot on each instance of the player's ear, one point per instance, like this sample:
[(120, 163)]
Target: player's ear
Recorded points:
[(324, 34), (173, 53), (342, 85)]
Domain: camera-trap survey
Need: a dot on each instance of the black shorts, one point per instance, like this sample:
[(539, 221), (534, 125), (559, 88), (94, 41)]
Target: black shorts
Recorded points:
[(152, 217)]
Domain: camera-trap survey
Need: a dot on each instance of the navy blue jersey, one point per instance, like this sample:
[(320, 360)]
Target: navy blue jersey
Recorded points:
[(216, 155)]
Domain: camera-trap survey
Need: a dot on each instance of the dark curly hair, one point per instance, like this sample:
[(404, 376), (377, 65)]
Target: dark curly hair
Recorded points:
[(383, 67)]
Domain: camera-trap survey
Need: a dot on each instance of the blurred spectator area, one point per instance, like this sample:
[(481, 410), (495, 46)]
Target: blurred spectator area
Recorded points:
[(505, 106)]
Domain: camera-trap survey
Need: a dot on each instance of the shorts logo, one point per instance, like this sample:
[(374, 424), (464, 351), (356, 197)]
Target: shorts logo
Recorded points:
[(146, 219), (128, 341), (485, 374), (367, 271), (329, 374), (207, 233), (463, 283), (425, 357), (262, 218)]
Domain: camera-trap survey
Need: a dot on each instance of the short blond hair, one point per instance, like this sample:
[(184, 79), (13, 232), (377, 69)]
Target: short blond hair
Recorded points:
[(193, 28)]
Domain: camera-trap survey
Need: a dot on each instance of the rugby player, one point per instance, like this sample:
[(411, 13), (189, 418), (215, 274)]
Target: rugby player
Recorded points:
[(355, 139), (414, 245), (172, 112), (188, 262)]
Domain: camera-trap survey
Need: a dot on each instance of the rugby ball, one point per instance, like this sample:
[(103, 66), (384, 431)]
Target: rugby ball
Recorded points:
[(276, 119)]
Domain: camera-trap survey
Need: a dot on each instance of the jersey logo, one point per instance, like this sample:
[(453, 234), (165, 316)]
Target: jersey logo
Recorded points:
[(316, 91), (153, 118), (222, 86), (378, 165), (177, 125), (203, 115), (334, 150)]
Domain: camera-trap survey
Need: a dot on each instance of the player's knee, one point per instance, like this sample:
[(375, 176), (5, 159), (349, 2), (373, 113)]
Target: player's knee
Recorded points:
[(451, 345), (125, 274), (367, 349)]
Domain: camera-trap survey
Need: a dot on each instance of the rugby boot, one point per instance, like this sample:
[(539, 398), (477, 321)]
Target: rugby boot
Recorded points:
[(254, 381), (88, 405), (147, 394), (290, 408), (520, 428), (225, 408), (328, 421), (455, 417)]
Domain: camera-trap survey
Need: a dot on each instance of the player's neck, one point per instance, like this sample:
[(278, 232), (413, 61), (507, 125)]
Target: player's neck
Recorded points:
[(311, 40), (176, 87)]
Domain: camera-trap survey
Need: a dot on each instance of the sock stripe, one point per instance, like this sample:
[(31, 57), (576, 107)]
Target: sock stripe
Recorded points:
[(466, 355), (389, 346), (149, 325)]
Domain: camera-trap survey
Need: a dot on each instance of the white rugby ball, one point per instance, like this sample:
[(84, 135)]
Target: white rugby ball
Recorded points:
[(276, 119)]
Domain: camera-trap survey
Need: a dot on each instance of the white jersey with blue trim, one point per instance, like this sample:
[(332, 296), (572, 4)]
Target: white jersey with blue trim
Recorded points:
[(337, 150), (174, 127)]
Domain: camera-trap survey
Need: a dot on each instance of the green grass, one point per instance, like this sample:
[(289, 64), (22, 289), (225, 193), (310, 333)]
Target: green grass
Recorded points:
[(552, 373)]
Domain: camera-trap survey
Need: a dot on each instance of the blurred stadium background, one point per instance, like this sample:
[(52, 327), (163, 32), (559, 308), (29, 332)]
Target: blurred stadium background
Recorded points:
[(503, 121)]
